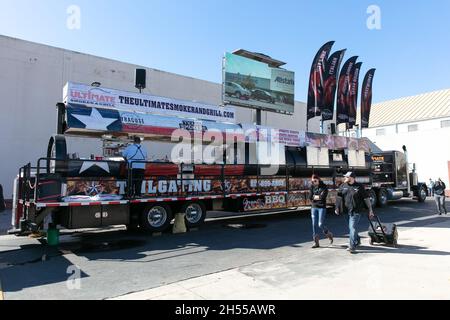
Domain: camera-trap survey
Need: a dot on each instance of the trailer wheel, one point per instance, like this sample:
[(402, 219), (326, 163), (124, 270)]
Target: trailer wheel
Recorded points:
[(373, 198), (422, 194), (382, 197), (156, 218), (195, 214)]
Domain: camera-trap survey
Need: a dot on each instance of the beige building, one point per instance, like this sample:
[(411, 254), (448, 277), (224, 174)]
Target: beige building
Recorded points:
[(32, 78), (422, 124)]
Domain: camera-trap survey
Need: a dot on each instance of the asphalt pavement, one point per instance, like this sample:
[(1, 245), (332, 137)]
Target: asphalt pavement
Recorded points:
[(112, 263)]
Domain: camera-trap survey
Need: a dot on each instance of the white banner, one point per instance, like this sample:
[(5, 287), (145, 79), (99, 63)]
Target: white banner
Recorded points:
[(291, 138), (75, 93), (282, 81)]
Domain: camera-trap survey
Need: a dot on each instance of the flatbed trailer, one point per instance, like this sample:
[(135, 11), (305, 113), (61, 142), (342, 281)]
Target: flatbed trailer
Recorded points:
[(168, 189), (52, 187), (80, 193)]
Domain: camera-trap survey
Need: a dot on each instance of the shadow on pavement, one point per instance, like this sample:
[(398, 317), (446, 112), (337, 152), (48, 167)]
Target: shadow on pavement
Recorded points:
[(44, 271), (402, 249), (291, 230)]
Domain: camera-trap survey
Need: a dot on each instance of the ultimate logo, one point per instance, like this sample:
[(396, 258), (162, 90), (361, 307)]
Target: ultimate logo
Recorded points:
[(94, 96)]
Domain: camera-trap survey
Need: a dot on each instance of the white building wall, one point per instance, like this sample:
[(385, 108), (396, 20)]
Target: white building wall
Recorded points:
[(32, 77), (428, 148)]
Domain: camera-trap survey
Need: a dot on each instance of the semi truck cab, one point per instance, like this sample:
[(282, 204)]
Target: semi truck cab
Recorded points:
[(392, 179)]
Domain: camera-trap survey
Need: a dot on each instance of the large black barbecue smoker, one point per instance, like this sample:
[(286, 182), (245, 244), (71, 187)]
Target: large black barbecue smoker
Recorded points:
[(74, 192)]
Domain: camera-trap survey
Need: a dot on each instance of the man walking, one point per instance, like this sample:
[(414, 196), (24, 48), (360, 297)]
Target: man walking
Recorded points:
[(439, 196), (352, 199), (133, 153)]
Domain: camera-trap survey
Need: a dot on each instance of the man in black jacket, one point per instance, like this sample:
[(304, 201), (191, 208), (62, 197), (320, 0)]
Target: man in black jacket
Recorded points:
[(439, 196), (318, 195), (352, 199)]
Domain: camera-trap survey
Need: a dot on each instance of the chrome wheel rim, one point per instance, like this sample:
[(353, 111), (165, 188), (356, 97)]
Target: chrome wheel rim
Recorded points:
[(383, 198), (194, 213), (423, 194), (157, 216)]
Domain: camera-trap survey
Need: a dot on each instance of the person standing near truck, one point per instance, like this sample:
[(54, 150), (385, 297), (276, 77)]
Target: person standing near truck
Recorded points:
[(431, 187), (353, 199), (132, 154), (318, 195), (439, 196)]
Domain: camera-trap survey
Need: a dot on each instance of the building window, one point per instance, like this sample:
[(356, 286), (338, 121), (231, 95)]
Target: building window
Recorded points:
[(445, 123), (381, 132), (413, 127)]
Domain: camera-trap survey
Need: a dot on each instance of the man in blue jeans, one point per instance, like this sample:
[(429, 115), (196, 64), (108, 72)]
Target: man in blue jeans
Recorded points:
[(352, 199)]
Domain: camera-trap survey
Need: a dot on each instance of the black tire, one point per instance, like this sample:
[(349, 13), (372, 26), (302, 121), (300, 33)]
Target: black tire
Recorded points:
[(422, 194), (133, 225), (156, 218), (195, 214), (382, 197), (373, 198)]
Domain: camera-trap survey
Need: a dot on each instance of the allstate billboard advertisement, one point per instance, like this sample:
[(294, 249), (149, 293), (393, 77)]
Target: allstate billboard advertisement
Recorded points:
[(253, 84)]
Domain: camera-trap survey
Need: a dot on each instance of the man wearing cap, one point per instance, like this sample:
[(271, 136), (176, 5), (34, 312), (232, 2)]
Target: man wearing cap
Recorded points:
[(353, 199)]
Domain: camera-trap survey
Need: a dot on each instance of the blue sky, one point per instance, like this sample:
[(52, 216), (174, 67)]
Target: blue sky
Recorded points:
[(411, 51)]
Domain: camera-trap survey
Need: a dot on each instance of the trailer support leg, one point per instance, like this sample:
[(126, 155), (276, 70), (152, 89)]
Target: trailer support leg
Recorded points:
[(180, 224)]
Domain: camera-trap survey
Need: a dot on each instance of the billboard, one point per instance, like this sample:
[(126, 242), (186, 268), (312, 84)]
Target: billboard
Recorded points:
[(253, 84)]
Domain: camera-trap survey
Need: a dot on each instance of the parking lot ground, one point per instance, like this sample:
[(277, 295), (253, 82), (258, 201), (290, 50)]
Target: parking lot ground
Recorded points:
[(257, 257)]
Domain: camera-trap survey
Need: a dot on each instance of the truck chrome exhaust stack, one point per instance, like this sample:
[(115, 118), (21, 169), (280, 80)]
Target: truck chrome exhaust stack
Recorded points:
[(405, 150)]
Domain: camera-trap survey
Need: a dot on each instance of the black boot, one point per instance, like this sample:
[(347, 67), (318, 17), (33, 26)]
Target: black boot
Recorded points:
[(316, 242), (330, 237)]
